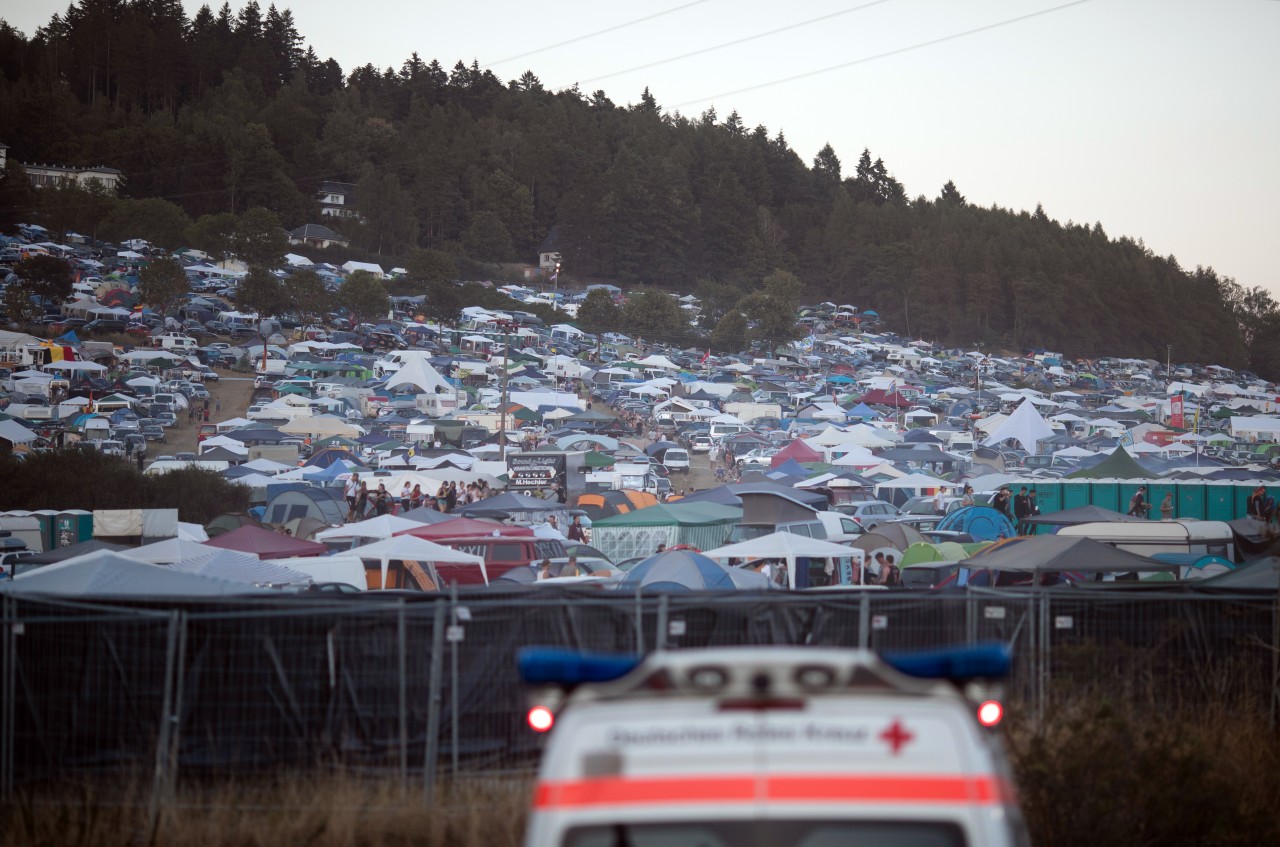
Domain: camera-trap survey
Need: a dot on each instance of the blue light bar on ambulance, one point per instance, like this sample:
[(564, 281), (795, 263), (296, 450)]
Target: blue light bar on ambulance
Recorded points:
[(565, 667), (990, 660)]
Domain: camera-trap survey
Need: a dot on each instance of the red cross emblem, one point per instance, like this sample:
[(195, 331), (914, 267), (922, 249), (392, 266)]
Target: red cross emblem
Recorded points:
[(896, 736)]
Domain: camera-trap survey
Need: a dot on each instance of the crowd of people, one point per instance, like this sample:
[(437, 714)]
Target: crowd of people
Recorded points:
[(363, 502)]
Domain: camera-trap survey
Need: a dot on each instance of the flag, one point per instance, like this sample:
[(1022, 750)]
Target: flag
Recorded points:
[(555, 276), (706, 355)]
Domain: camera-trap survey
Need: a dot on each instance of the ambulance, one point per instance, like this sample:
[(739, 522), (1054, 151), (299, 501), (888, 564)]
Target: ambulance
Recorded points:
[(746, 746)]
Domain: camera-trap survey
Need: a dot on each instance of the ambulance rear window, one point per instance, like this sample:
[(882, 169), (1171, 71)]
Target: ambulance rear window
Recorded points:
[(770, 833)]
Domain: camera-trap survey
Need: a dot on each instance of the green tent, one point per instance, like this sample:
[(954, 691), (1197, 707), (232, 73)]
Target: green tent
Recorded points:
[(1119, 465), (596, 459), (700, 525)]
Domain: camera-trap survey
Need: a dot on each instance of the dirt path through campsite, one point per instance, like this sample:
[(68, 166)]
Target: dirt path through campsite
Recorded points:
[(233, 390)]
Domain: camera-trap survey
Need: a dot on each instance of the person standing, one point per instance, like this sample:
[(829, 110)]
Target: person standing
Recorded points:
[(966, 499), (1166, 507), (352, 492), (1022, 510), (1001, 501), (576, 532), (1138, 503)]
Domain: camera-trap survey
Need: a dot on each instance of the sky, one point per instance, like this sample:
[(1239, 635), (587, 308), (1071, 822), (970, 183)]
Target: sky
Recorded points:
[(1160, 119)]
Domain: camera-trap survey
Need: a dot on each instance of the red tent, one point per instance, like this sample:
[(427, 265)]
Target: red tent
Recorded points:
[(797, 450), (461, 527), (266, 544), (880, 397)]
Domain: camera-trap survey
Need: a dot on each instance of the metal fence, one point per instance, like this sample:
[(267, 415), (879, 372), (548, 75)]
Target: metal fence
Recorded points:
[(427, 688)]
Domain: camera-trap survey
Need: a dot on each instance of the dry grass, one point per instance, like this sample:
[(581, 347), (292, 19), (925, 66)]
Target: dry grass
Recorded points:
[(317, 810), (1103, 773)]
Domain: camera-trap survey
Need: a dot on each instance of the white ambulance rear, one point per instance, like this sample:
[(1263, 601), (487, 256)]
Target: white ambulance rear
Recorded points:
[(767, 746)]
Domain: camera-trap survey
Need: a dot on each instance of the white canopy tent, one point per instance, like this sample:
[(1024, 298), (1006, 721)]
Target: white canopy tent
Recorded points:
[(1026, 426), (788, 547), (409, 548)]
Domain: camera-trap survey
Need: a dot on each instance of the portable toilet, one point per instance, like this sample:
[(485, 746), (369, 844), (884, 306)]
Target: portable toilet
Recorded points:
[(1074, 494), (1106, 493), (1190, 500), (71, 527), (1048, 497), (1219, 501)]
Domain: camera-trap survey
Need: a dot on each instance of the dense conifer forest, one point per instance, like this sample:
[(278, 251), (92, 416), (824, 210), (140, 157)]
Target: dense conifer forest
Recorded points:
[(230, 110)]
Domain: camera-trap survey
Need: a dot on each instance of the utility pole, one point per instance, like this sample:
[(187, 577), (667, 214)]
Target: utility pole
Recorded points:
[(555, 288), (1168, 361), (506, 367)]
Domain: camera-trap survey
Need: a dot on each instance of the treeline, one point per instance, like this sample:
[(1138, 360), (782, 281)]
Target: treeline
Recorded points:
[(226, 111)]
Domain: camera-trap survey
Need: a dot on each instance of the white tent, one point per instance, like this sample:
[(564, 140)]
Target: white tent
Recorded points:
[(787, 546), (409, 548), (418, 372), (15, 433), (830, 437), (1026, 426), (382, 526)]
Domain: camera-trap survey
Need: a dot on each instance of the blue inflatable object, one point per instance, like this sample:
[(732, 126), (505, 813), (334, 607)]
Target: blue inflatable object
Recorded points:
[(982, 523)]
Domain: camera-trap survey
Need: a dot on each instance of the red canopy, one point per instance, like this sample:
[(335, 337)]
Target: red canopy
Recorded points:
[(266, 544), (880, 397), (460, 527), (797, 450)]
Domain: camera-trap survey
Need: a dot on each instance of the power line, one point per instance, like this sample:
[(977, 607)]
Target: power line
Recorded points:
[(736, 42), (604, 31), (886, 54)]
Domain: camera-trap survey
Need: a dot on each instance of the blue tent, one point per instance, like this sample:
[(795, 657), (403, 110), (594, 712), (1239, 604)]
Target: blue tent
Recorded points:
[(69, 337), (862, 410), (678, 570), (791, 468), (981, 522)]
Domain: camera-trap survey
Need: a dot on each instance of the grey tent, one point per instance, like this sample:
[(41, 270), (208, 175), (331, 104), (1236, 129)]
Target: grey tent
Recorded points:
[(1083, 514), (61, 554), (107, 574), (1057, 553), (1262, 574)]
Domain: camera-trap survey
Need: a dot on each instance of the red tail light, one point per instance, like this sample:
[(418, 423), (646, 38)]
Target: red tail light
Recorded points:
[(990, 713), (541, 719)]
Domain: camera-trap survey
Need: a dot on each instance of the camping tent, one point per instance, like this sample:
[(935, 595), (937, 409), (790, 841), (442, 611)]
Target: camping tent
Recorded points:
[(684, 570), (382, 526), (700, 525), (981, 522), (1083, 514)]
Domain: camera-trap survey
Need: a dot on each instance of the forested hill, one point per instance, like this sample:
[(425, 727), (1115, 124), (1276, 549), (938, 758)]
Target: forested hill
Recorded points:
[(230, 110)]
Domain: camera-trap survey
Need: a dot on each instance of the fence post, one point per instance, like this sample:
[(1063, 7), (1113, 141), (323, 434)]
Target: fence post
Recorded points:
[(431, 759), (453, 675), (660, 636), (8, 696), (1275, 660), (864, 619), (1046, 622), (162, 779), (971, 617), (639, 622), (403, 669)]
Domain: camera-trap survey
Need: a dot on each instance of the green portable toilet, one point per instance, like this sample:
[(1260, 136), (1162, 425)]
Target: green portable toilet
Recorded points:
[(1048, 496), (1106, 493), (1241, 499), (1156, 492), (48, 529), (1190, 500), (71, 527), (1074, 494), (1219, 501)]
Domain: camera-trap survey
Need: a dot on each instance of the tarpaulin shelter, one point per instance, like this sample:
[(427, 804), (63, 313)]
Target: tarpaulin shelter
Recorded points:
[(700, 525), (408, 549), (266, 544), (382, 526), (61, 554)]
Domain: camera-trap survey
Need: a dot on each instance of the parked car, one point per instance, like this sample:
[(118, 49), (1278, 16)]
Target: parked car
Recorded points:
[(870, 513)]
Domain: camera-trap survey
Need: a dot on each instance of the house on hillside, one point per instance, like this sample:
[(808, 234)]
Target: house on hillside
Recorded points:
[(317, 235), (45, 175), (338, 200)]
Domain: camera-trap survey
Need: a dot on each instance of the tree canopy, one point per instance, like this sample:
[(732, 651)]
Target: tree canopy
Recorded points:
[(162, 283), (226, 113)]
